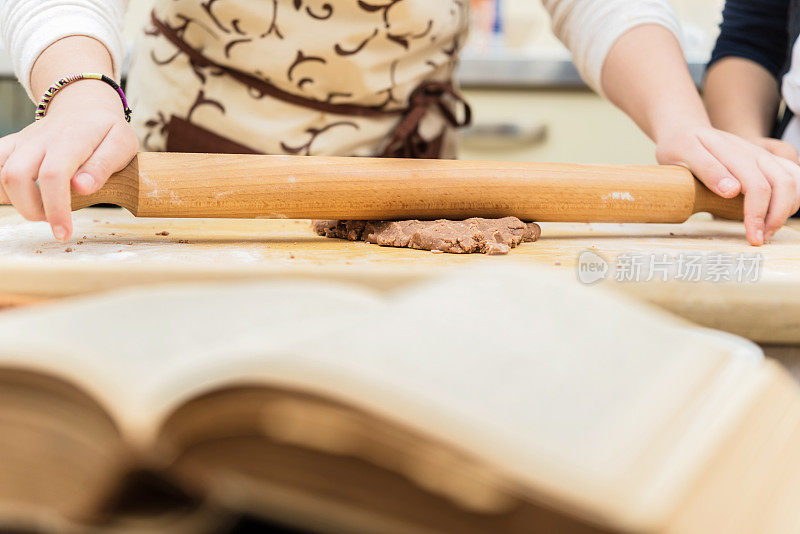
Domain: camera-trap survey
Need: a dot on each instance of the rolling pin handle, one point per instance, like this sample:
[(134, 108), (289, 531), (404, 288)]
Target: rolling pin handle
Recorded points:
[(121, 189), (706, 200)]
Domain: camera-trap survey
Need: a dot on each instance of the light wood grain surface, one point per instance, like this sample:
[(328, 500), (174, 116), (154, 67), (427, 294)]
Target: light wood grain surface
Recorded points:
[(120, 250)]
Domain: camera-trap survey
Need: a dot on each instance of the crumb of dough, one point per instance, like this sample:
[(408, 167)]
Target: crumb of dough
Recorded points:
[(183, 240), (162, 233), (489, 236), (79, 243), (67, 250)]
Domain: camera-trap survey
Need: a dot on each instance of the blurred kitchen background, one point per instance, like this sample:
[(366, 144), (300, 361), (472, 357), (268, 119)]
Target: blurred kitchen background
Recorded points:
[(528, 101)]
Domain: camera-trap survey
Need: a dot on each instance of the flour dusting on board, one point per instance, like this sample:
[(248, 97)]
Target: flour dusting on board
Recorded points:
[(113, 242)]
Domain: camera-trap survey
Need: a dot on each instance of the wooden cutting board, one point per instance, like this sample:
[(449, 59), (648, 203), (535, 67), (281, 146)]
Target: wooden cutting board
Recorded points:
[(120, 250)]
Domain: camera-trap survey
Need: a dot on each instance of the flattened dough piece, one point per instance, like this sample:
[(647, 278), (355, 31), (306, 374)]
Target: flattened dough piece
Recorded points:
[(489, 236)]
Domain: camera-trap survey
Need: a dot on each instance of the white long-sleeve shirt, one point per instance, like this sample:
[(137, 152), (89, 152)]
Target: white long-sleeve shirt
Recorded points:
[(30, 26), (587, 27)]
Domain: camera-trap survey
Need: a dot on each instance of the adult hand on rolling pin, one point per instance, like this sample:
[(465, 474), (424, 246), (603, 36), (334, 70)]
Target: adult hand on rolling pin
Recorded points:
[(729, 165)]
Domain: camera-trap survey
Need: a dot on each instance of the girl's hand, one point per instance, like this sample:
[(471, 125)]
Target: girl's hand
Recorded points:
[(729, 165), (81, 141)]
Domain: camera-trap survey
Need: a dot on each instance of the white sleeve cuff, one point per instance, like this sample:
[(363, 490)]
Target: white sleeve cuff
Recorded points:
[(589, 28), (30, 26)]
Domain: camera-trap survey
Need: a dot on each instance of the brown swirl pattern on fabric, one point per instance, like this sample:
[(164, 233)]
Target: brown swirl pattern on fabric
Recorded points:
[(357, 63)]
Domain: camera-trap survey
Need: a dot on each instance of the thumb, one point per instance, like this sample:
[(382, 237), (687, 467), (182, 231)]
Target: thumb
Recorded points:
[(112, 155), (708, 170)]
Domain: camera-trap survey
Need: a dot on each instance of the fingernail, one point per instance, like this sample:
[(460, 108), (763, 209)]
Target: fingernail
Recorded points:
[(59, 232), (760, 236), (86, 181), (727, 185)]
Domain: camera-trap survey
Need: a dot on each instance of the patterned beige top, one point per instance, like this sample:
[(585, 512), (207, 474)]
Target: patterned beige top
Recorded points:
[(312, 77)]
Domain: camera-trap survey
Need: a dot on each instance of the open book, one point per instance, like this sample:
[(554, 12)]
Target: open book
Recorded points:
[(492, 400)]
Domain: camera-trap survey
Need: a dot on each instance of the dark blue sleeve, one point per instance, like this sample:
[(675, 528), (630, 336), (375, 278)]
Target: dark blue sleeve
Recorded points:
[(756, 30)]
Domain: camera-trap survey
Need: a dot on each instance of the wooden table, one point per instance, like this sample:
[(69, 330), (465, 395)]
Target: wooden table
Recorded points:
[(112, 249)]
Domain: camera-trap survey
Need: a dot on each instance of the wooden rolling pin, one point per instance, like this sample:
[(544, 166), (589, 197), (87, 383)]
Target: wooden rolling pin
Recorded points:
[(298, 187)]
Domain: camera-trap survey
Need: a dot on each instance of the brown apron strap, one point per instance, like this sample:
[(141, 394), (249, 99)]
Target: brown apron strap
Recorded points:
[(405, 140)]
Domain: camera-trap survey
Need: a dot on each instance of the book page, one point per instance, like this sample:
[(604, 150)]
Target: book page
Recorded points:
[(117, 346), (565, 387)]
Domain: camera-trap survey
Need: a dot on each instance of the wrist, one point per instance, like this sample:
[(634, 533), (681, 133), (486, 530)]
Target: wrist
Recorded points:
[(86, 94), (66, 57), (679, 125), (671, 111)]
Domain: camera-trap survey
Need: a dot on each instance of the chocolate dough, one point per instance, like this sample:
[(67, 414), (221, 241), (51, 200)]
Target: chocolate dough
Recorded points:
[(489, 236)]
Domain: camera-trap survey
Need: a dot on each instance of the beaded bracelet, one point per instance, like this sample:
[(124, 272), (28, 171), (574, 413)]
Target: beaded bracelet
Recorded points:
[(41, 109)]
